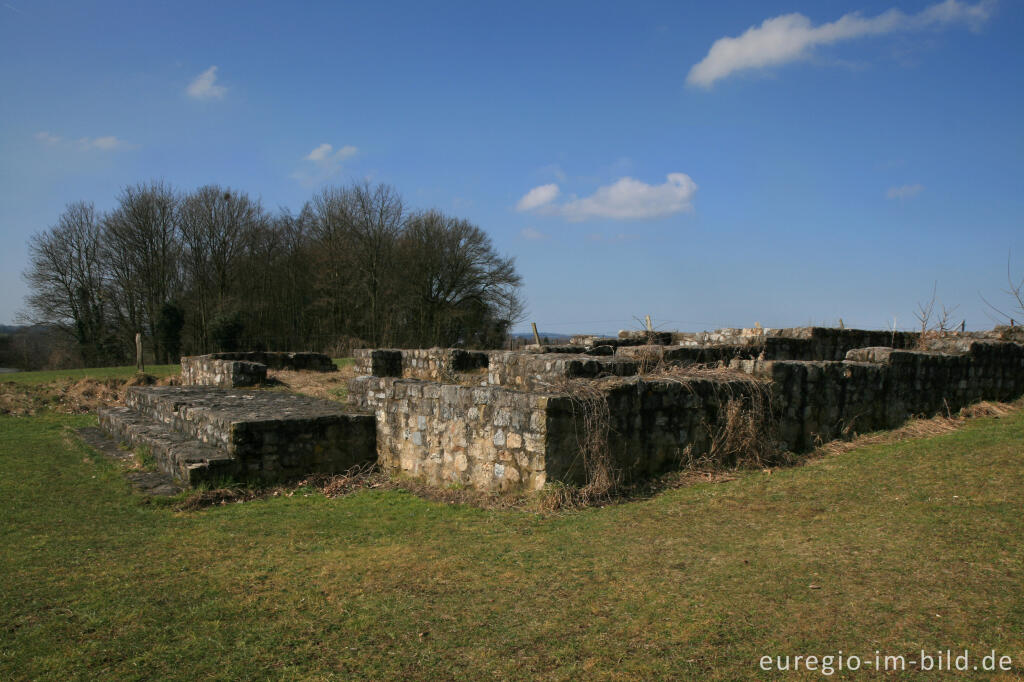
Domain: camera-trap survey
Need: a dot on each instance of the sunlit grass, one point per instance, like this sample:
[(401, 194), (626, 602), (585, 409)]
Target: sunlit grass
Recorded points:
[(893, 547)]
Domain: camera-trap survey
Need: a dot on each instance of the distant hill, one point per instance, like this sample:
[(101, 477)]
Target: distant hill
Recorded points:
[(9, 328)]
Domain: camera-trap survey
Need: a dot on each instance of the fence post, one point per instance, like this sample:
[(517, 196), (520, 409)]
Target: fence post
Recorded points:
[(140, 365), (536, 336)]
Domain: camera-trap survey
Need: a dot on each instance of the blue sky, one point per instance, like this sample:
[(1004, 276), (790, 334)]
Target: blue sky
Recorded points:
[(709, 164)]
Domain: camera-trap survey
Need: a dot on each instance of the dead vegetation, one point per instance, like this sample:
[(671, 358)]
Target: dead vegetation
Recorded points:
[(602, 477), (916, 428), (325, 385), (365, 477), (70, 396)]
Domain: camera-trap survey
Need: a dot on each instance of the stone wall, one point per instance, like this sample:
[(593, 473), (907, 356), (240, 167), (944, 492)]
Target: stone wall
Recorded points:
[(525, 426), (543, 371), (208, 370), (299, 362), (232, 370), (489, 438), (266, 435), (432, 364), (879, 388), (492, 438), (656, 424), (804, 343)]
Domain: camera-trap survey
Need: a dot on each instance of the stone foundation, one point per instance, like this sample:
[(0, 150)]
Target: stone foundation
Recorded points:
[(233, 370), (432, 364), (489, 438), (201, 434), (524, 428)]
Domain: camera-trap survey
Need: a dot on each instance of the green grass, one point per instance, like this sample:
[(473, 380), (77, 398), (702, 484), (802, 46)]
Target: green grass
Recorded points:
[(341, 363), (911, 545), (92, 373)]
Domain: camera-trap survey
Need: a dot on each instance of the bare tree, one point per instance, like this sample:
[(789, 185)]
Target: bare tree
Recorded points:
[(66, 280), (924, 311), (351, 269), (143, 245), (358, 228), (377, 222), (217, 226), (1015, 291), (458, 286)]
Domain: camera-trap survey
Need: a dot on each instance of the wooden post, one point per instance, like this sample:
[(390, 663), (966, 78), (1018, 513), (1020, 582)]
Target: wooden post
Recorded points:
[(963, 325), (536, 336), (649, 327), (841, 325), (140, 365)]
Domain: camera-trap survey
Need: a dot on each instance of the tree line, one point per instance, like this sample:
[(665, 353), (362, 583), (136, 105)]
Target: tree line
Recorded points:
[(213, 270)]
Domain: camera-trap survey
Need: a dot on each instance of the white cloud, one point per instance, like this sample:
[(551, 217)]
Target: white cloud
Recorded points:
[(532, 234), (904, 191), (106, 143), (537, 197), (625, 199), (322, 153), (630, 199), (46, 137), (204, 86), (324, 163), (790, 37)]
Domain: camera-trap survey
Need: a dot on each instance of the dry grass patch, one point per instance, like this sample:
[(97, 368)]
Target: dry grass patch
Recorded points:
[(325, 385), (71, 396), (918, 428)]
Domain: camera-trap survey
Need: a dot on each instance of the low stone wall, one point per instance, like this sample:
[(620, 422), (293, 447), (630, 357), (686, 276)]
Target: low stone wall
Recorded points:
[(526, 425), (208, 370), (299, 362), (269, 435), (431, 364), (650, 356), (879, 388), (656, 424), (808, 344), (624, 339), (233, 370), (489, 438), (542, 371), (493, 438)]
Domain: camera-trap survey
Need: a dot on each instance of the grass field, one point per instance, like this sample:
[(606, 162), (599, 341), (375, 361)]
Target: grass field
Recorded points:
[(891, 548), (98, 373)]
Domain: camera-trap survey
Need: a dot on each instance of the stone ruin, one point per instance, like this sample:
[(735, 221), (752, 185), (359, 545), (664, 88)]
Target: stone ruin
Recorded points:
[(515, 420)]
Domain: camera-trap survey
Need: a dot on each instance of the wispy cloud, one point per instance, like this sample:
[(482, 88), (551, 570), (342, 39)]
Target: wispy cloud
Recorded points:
[(904, 191), (325, 153), (204, 86), (323, 162), (537, 197), (104, 143), (625, 199), (790, 37), (532, 234)]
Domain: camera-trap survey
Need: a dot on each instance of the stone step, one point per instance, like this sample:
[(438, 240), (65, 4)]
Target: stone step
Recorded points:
[(174, 453), (273, 435)]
